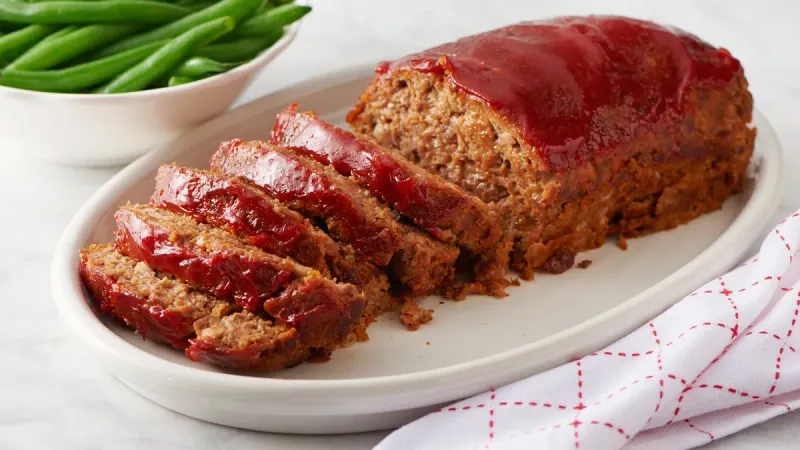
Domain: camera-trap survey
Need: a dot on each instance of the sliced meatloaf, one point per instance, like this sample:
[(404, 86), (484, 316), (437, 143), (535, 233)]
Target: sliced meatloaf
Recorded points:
[(350, 214), (438, 206), (157, 305), (166, 310), (574, 128), (245, 210), (245, 341), (226, 266)]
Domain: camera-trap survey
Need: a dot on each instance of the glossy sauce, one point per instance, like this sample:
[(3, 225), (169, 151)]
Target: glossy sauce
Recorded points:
[(290, 179), (383, 175), (225, 274), (150, 319), (577, 86), (219, 200)]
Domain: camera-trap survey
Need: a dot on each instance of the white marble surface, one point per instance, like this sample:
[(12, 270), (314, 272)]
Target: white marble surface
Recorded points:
[(52, 396)]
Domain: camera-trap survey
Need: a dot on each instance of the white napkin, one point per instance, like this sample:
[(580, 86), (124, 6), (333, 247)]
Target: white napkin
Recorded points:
[(725, 357)]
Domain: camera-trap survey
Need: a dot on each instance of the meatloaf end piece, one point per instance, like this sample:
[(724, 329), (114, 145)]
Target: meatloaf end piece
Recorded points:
[(574, 128), (164, 309), (245, 341), (350, 214), (158, 306), (245, 211), (221, 263), (433, 203)]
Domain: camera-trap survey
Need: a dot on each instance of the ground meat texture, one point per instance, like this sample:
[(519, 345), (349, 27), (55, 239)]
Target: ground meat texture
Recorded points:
[(202, 255), (436, 205), (659, 140), (245, 211), (323, 312), (247, 342), (313, 189), (249, 212), (219, 262), (156, 305), (351, 215), (413, 316)]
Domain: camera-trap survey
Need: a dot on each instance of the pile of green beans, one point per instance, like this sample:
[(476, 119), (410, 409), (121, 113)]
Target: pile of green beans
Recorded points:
[(119, 46)]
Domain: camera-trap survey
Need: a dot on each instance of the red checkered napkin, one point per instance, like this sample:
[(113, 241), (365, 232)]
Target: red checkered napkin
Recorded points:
[(723, 358)]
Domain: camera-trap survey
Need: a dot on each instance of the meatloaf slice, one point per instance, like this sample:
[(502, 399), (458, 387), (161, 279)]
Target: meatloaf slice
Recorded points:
[(226, 266), (436, 205), (166, 310), (351, 215), (245, 211), (245, 341), (573, 128), (158, 306)]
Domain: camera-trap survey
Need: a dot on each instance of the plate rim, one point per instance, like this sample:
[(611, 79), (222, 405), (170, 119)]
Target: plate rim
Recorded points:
[(440, 383)]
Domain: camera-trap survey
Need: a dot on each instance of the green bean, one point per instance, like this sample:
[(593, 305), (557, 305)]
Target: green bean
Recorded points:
[(236, 9), (52, 52), (169, 57), (200, 67), (16, 43), (274, 18), (78, 78), (240, 49), (177, 80), (76, 12)]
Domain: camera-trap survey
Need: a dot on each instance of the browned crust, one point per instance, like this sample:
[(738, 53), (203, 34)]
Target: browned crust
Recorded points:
[(422, 264), (642, 187)]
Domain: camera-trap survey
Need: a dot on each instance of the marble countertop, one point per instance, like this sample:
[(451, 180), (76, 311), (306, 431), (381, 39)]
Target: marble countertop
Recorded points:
[(53, 396)]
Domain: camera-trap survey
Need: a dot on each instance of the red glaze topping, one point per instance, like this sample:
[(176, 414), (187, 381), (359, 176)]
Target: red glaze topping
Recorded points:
[(219, 200), (320, 310), (569, 83), (225, 274), (392, 180), (291, 179), (209, 351), (150, 319)]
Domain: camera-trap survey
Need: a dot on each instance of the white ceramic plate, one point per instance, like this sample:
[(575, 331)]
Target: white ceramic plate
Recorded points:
[(399, 375)]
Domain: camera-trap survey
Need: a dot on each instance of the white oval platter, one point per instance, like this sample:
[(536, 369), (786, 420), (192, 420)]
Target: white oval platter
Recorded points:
[(399, 375)]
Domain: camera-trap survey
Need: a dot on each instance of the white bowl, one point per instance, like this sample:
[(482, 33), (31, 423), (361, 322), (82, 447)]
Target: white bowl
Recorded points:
[(398, 375), (107, 130)]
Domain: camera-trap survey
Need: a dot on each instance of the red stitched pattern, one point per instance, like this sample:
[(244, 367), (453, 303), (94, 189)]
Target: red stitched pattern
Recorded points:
[(692, 426), (623, 388), (660, 371), (788, 247), (611, 426), (579, 406), (756, 283), (772, 335), (491, 420), (788, 408), (720, 387), (675, 377), (783, 347), (727, 293)]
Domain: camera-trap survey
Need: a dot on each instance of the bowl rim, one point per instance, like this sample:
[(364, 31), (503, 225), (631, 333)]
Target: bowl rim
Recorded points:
[(252, 65), (73, 306)]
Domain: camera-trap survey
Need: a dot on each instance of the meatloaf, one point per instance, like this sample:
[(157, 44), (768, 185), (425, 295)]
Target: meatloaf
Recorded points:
[(438, 206), (245, 210), (573, 128), (322, 310), (164, 309), (431, 202), (420, 263)]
